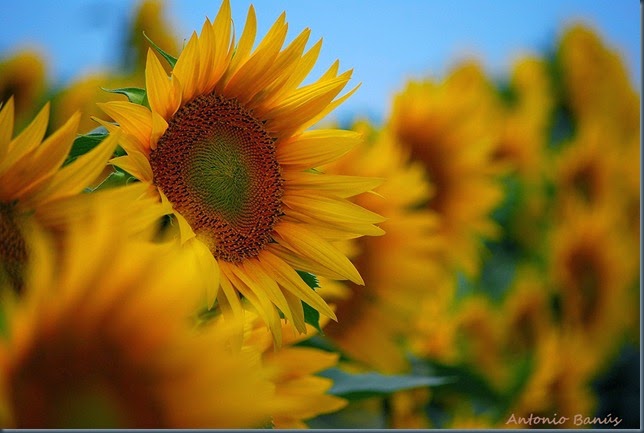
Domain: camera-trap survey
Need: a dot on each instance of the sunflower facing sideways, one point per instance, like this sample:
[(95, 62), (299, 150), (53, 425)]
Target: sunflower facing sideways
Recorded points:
[(224, 142), (34, 185)]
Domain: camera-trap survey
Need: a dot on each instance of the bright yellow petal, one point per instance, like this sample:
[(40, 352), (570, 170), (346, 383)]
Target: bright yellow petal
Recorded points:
[(29, 173), (159, 125), (136, 164), (317, 147), (304, 104), (257, 277), (243, 84), (337, 185), (134, 119), (330, 209), (222, 44), (27, 140), (187, 68), (76, 176), (163, 95), (291, 281), (302, 241), (245, 44)]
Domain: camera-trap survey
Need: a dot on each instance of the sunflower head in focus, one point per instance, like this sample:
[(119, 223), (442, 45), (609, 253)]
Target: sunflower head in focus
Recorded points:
[(453, 128), (34, 184), (86, 348), (224, 140)]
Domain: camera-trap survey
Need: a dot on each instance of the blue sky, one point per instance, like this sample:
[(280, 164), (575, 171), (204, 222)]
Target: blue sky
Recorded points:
[(384, 41)]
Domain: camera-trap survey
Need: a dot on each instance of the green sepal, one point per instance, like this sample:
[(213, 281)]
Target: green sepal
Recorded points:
[(356, 386), (84, 143), (169, 58), (134, 94)]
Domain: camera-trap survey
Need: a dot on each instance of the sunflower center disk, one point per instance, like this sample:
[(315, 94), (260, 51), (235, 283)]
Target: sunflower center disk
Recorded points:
[(216, 164)]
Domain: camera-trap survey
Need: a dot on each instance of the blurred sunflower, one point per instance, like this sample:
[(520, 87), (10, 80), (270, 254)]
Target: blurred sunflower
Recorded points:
[(149, 20), (399, 268), (90, 349), (560, 380), (526, 311), (33, 185), (82, 95), (589, 273), (453, 128), (23, 79), (583, 58), (527, 116), (224, 142), (299, 393), (587, 170)]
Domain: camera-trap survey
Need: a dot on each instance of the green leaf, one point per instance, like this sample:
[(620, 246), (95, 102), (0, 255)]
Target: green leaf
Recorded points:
[(84, 143), (169, 58), (312, 317), (310, 279), (134, 94), (364, 385)]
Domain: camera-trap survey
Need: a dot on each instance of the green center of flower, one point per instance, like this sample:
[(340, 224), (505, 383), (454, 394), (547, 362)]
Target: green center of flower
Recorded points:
[(216, 164), (13, 250)]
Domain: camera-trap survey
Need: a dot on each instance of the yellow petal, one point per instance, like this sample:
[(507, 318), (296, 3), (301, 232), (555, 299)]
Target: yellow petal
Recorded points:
[(136, 164), (6, 126), (187, 69), (159, 126), (257, 277), (243, 84), (338, 185), (30, 173), (330, 209), (160, 88), (27, 140), (305, 103), (246, 43), (317, 147), (134, 119), (291, 281), (76, 176), (222, 43), (302, 241), (208, 268), (256, 296)]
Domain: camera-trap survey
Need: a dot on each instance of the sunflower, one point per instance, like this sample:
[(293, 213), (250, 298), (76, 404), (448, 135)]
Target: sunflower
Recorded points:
[(149, 22), (589, 271), (33, 185), (299, 393), (399, 268), (596, 83), (527, 115), (560, 380), (453, 128), (526, 311), (22, 78), (86, 348), (224, 142)]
